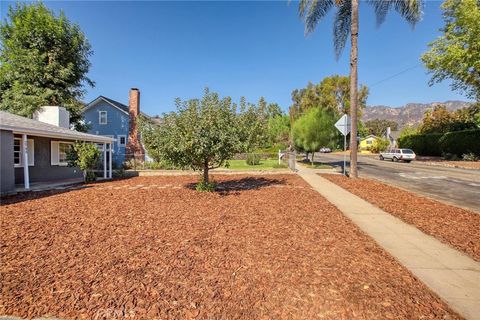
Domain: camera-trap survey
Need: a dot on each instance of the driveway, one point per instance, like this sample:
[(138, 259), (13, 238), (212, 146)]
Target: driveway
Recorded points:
[(460, 187)]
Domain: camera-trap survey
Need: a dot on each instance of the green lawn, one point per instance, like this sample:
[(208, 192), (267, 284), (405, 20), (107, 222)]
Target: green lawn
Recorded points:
[(264, 164)]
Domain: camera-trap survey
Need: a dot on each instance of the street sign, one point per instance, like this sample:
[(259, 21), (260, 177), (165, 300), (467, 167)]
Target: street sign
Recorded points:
[(343, 125)]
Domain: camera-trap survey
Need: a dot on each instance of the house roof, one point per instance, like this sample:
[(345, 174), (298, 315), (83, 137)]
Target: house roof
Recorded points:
[(114, 103), (23, 125), (370, 136)]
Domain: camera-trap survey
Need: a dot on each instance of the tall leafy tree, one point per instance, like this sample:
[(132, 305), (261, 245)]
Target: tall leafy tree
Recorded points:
[(345, 23), (332, 93), (456, 54), (378, 127), (44, 60), (313, 130)]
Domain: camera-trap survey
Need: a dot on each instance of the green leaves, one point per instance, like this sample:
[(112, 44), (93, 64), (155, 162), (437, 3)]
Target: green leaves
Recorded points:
[(456, 54), (85, 156), (204, 133), (44, 61), (314, 130)]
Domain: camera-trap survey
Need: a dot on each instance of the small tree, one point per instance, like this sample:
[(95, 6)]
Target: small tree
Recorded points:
[(314, 130), (380, 145), (85, 156)]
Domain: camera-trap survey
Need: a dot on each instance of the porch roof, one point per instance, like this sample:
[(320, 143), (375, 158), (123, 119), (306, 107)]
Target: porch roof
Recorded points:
[(22, 125)]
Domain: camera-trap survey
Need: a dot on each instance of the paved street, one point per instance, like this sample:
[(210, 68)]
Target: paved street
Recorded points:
[(460, 187)]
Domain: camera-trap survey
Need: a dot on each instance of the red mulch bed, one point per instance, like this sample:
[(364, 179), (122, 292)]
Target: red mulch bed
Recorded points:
[(151, 247), (452, 225)]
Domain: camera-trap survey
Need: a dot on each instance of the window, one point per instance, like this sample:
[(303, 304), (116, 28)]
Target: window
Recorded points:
[(63, 149), (59, 151), (369, 141), (102, 117), (122, 140), (18, 152)]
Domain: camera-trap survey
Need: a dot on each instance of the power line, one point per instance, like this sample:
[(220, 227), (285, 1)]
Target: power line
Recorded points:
[(395, 75)]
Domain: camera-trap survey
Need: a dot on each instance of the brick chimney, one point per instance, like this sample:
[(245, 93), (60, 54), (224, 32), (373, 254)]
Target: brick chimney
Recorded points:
[(134, 147)]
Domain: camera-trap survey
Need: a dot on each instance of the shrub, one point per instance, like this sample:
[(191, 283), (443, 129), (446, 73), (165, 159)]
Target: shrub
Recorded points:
[(253, 159), (422, 144), (205, 186), (461, 142), (85, 156), (379, 145), (470, 157)]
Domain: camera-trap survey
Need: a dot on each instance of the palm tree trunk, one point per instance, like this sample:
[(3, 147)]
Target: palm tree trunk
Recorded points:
[(353, 90)]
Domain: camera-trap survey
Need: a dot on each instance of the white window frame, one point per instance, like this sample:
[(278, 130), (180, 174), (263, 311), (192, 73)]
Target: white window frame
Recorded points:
[(100, 118), (63, 163), (120, 136), (31, 153), (56, 150)]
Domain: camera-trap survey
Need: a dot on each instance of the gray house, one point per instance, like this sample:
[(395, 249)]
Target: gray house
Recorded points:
[(34, 150)]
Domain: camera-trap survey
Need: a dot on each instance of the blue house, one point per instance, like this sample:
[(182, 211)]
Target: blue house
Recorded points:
[(107, 117)]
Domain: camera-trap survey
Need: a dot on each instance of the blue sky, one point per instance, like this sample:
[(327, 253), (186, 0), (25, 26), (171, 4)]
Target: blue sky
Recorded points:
[(251, 49)]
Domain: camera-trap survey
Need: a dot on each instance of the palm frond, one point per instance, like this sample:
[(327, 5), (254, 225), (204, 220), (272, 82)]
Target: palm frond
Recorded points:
[(312, 11), (341, 26), (381, 8), (411, 10)]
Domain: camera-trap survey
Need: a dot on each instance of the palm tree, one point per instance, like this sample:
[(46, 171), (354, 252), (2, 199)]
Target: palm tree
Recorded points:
[(345, 23)]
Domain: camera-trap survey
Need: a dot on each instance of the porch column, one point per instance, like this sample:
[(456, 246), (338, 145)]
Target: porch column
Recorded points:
[(104, 160), (26, 177), (110, 162)]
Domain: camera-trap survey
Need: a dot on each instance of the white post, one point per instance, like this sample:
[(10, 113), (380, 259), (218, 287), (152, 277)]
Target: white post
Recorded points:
[(279, 155), (26, 177), (104, 160), (110, 162)]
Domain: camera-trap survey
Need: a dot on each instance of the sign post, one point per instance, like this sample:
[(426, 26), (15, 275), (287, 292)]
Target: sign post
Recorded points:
[(343, 125)]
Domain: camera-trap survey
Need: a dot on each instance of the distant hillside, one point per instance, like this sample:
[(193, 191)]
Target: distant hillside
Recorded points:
[(410, 114)]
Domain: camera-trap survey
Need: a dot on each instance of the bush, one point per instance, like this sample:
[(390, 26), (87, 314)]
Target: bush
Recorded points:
[(461, 142), (379, 145), (450, 145), (470, 157), (205, 186), (422, 144), (253, 159), (90, 176)]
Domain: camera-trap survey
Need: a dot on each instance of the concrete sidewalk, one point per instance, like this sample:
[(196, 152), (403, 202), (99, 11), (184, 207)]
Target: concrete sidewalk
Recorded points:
[(453, 276)]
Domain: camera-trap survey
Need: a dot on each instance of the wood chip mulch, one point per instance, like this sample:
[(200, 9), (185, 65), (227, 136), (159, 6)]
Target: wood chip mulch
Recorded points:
[(452, 225), (152, 248)]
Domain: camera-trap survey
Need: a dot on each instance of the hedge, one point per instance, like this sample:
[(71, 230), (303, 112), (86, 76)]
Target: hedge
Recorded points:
[(461, 142), (437, 144), (422, 144)]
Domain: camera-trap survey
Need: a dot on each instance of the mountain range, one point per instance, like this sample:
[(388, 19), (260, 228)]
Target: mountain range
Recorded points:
[(410, 114)]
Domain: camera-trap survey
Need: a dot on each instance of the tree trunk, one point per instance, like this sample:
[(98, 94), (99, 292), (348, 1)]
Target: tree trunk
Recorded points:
[(353, 90), (313, 156), (205, 173)]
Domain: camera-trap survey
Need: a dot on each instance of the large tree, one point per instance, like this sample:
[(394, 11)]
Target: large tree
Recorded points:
[(456, 54), (378, 127), (441, 120), (332, 93), (44, 60), (345, 23)]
